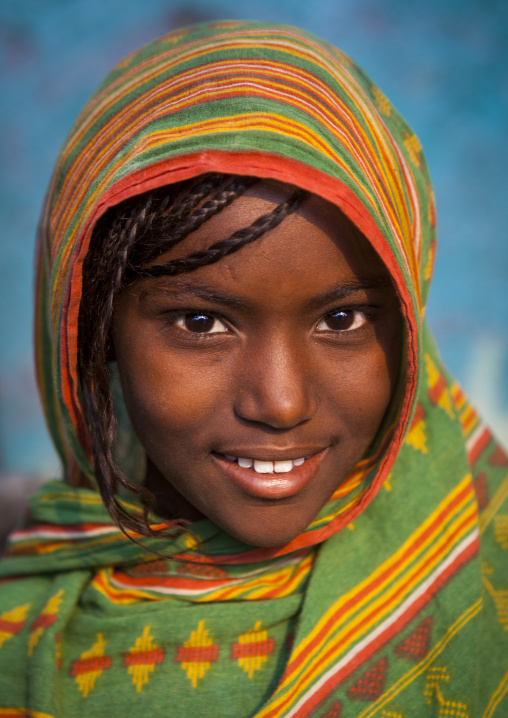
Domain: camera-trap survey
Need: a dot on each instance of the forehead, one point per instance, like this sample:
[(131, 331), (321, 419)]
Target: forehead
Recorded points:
[(318, 237)]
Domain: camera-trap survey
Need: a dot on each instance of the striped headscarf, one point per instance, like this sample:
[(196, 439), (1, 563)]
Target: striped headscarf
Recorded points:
[(279, 105), (370, 620)]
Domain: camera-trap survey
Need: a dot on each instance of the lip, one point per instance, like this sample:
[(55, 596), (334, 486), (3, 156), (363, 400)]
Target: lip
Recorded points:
[(272, 486)]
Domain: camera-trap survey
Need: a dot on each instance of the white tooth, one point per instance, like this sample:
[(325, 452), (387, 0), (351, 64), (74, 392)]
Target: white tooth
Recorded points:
[(298, 462), (262, 467), (282, 467), (245, 463), (230, 458)]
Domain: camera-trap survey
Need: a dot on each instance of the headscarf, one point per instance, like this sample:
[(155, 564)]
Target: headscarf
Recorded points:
[(387, 603)]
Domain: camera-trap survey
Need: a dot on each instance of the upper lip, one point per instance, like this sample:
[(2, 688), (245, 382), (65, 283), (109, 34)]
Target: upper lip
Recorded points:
[(264, 453)]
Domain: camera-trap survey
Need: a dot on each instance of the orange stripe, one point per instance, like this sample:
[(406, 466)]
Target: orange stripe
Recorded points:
[(347, 605), (378, 610), (346, 638), (401, 559)]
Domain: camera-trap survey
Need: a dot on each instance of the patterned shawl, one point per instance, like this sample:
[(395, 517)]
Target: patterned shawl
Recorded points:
[(389, 604)]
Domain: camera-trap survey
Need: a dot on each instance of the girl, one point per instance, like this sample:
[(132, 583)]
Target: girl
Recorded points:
[(274, 492)]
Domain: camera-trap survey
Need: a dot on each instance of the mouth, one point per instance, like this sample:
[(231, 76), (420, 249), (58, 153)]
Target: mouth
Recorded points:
[(270, 479)]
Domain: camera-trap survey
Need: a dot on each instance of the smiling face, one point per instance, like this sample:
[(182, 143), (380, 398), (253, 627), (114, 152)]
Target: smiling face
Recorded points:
[(257, 383)]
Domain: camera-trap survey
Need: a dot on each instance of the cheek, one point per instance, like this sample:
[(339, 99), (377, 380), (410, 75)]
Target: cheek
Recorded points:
[(360, 393), (167, 399), (170, 402)]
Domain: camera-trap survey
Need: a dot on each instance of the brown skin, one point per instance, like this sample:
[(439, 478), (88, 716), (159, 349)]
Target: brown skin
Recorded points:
[(271, 374)]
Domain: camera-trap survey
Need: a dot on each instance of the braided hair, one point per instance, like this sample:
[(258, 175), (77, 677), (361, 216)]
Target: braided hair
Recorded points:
[(124, 245)]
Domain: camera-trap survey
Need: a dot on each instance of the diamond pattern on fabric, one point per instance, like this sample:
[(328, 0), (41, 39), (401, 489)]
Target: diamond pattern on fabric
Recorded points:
[(197, 654), (142, 658), (371, 684), (416, 645)]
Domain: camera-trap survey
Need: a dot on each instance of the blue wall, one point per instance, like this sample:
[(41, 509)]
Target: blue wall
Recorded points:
[(443, 63)]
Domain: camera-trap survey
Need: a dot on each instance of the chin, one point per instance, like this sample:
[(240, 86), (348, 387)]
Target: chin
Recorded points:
[(273, 537)]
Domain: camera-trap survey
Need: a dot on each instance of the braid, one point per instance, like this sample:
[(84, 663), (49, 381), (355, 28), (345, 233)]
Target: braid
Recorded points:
[(126, 238), (196, 193), (228, 246), (98, 300), (172, 227)]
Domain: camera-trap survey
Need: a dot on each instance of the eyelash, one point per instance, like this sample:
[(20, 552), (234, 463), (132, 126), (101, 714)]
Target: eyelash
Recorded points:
[(357, 312), (183, 317), (178, 319)]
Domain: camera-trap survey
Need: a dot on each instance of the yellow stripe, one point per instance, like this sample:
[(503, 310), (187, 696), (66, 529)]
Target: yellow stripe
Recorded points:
[(110, 130), (312, 657), (245, 122), (86, 500), (234, 123), (381, 141), (269, 122), (434, 653), (283, 582), (376, 617), (230, 124), (497, 697), (107, 98), (24, 712), (325, 520), (286, 582), (391, 561), (89, 499), (102, 583), (71, 546), (396, 193), (298, 576), (494, 505)]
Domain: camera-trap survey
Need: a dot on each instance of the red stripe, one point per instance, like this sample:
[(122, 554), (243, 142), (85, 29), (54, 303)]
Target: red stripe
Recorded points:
[(45, 620), (386, 575), (438, 388), (149, 582), (427, 597), (197, 654), (418, 415), (394, 598), (89, 665), (142, 658), (389, 632), (11, 626), (253, 648), (65, 529), (479, 445), (177, 169)]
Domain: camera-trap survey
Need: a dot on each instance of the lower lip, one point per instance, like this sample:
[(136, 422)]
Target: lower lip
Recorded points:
[(271, 486)]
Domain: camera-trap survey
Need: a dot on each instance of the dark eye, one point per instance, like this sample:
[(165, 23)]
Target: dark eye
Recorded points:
[(342, 320), (198, 323)]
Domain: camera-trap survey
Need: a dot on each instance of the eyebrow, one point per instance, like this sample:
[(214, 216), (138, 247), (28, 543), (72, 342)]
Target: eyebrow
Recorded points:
[(210, 294), (201, 291), (374, 282)]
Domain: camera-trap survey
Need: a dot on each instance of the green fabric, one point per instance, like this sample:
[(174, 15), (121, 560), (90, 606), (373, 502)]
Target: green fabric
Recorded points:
[(393, 602)]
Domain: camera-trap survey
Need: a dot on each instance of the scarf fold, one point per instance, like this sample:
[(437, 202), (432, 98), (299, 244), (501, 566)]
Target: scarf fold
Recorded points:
[(388, 604)]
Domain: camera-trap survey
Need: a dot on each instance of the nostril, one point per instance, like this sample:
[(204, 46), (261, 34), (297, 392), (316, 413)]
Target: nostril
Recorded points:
[(270, 409), (274, 386)]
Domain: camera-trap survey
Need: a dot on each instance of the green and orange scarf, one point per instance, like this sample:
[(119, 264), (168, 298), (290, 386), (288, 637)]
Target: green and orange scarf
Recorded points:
[(394, 601)]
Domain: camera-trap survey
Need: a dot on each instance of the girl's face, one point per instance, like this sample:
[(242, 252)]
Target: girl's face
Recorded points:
[(286, 350)]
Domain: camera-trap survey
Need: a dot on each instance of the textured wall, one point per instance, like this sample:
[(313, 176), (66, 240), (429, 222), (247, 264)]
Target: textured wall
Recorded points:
[(444, 64)]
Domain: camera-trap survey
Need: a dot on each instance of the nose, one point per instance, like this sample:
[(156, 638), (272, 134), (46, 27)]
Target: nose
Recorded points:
[(274, 386)]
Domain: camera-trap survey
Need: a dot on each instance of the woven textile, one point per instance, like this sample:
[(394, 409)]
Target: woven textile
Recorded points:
[(390, 603)]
